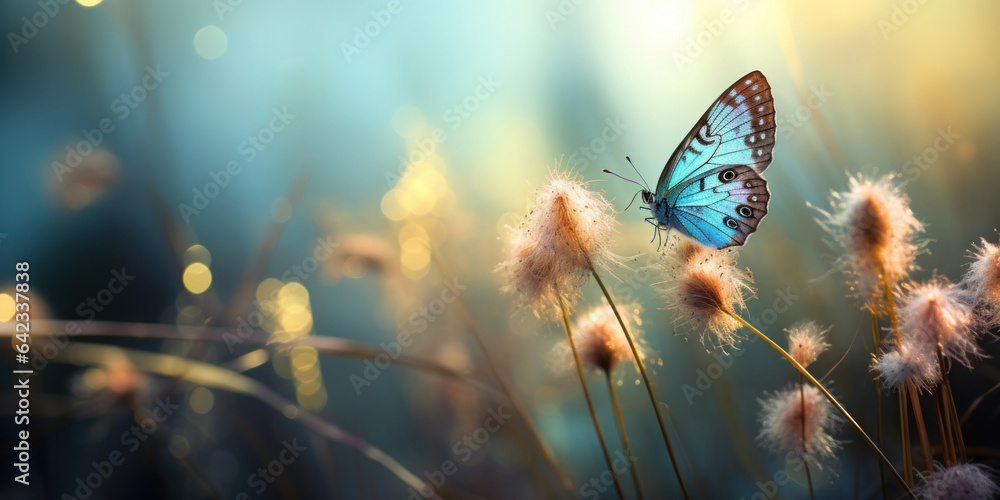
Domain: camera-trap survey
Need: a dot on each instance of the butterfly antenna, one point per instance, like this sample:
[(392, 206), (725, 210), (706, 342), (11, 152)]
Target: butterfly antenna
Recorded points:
[(624, 178), (629, 160), (633, 200)]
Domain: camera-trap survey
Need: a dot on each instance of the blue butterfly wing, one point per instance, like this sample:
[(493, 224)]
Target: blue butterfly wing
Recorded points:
[(720, 207), (738, 129)]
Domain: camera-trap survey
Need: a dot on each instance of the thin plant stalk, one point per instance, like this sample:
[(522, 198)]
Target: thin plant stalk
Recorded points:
[(946, 409), (522, 410), (878, 407), (904, 429), (975, 404), (200, 373), (620, 420), (890, 305), (945, 445), (586, 394), (507, 387), (836, 404), (918, 415), (802, 415), (959, 442), (649, 384)]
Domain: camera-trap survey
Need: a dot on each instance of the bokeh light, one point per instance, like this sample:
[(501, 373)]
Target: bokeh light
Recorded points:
[(197, 278), (210, 42)]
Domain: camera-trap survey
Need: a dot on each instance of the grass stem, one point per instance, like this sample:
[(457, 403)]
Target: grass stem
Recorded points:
[(590, 402), (836, 404), (620, 420), (649, 385)]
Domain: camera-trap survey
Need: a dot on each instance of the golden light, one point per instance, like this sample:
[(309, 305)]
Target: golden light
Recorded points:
[(296, 321), (293, 296), (6, 307), (309, 388), (197, 278), (210, 42), (197, 253), (390, 206), (413, 231), (314, 401), (307, 374), (201, 400), (303, 356), (267, 290), (88, 3)]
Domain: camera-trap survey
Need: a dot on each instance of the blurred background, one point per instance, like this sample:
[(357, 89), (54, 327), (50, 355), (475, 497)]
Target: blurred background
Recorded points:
[(259, 174)]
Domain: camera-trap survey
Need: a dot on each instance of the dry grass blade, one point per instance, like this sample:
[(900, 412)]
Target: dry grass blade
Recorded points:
[(332, 346), (196, 372)]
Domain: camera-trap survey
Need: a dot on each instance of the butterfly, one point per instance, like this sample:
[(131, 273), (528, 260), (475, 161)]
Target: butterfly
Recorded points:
[(711, 188)]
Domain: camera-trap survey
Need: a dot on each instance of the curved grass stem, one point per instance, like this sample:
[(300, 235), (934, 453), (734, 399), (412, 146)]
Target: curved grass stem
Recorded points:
[(586, 394), (505, 383), (836, 404), (878, 406), (904, 427), (918, 415), (802, 415), (200, 373), (649, 385), (620, 420)]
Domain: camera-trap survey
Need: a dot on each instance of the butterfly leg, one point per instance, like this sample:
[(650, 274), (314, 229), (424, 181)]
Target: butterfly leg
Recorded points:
[(656, 228)]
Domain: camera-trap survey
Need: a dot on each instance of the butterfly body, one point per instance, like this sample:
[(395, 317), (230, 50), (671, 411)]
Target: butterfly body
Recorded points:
[(711, 189)]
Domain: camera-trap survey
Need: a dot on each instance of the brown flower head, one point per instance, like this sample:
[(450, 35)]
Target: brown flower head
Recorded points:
[(704, 289), (873, 225), (565, 236)]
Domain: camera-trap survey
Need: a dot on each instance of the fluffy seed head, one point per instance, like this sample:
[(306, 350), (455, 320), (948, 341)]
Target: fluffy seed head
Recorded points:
[(959, 482), (599, 337), (873, 225), (551, 252), (704, 288), (805, 342), (782, 428), (941, 314), (908, 363), (983, 280)]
